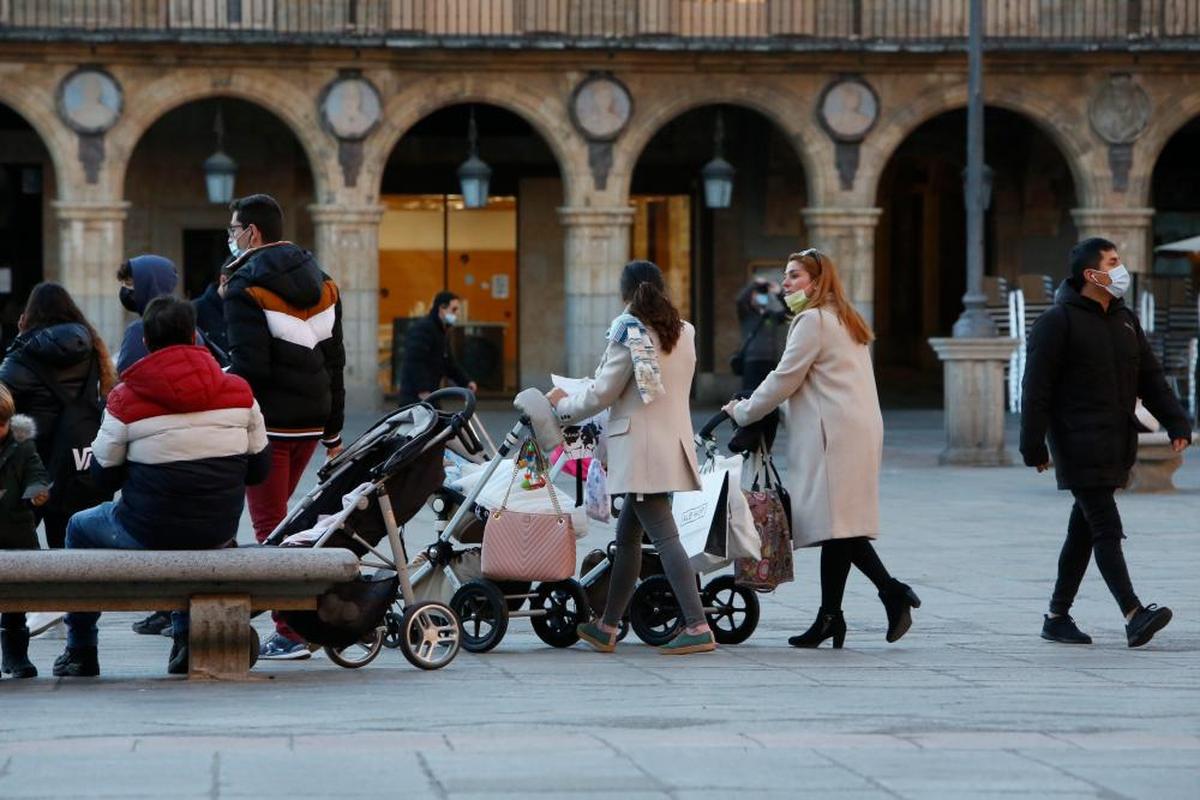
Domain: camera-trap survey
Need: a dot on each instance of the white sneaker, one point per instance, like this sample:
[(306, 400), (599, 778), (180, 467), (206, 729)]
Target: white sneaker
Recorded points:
[(41, 621)]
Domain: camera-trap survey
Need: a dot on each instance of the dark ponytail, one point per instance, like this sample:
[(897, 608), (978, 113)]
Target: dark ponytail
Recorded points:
[(643, 288)]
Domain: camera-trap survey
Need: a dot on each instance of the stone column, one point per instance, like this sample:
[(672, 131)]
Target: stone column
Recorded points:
[(974, 400), (91, 240), (597, 246), (1128, 228), (847, 234), (347, 240)]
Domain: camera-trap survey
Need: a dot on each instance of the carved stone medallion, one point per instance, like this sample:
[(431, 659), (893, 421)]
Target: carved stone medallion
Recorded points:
[(848, 109), (601, 107), (1120, 110), (351, 108), (90, 100)]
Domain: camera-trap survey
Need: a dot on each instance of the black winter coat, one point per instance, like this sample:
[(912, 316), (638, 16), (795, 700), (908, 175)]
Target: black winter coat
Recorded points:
[(20, 471), (1085, 369), (64, 351), (283, 317), (427, 359)]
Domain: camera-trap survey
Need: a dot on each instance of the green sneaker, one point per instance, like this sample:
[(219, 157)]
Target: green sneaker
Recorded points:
[(686, 643), (600, 639)]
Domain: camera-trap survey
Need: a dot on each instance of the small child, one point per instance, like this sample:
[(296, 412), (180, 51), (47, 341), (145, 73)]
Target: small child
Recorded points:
[(23, 484)]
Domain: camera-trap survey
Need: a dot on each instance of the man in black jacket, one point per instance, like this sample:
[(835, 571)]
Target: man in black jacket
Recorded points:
[(1088, 363), (427, 356), (283, 319)]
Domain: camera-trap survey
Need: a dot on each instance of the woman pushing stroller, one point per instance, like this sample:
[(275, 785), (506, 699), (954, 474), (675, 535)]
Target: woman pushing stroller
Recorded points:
[(645, 377), (835, 442)]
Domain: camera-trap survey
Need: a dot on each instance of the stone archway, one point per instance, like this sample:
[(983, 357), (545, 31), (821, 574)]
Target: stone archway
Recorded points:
[(920, 278), (535, 104), (1061, 123), (665, 105), (290, 102)]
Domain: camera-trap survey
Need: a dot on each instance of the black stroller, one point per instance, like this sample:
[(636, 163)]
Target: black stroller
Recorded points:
[(365, 495)]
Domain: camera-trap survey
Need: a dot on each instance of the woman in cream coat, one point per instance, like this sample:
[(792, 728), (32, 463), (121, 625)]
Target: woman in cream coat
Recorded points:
[(645, 378), (826, 384)]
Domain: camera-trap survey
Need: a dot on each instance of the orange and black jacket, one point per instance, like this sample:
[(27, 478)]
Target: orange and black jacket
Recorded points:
[(284, 321)]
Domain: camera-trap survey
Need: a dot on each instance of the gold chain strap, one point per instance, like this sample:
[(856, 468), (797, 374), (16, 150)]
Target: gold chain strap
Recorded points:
[(540, 472)]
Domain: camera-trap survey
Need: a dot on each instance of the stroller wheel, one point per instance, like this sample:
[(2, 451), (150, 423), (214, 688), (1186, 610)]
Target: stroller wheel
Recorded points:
[(483, 614), (430, 635), (391, 621), (565, 606), (360, 653), (732, 610), (654, 611)]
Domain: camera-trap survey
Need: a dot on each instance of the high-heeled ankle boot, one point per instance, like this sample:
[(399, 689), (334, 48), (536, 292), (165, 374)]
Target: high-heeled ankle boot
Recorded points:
[(828, 625), (899, 600), (14, 644)]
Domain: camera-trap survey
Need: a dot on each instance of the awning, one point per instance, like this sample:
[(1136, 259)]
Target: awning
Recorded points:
[(1183, 246)]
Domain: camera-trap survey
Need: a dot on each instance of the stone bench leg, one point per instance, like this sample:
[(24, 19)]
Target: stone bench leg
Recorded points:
[(220, 638)]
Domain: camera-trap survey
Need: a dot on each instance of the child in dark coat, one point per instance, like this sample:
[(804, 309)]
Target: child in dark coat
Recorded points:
[(23, 485)]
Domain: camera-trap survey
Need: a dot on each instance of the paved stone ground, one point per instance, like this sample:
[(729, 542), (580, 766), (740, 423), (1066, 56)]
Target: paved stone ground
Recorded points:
[(971, 704)]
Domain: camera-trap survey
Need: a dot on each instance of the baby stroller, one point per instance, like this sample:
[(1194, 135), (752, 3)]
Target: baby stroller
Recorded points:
[(486, 606), (732, 610), (365, 495)]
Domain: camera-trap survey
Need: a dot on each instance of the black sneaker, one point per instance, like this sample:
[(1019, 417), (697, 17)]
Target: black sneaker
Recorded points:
[(177, 663), (77, 662), (1063, 629), (154, 624), (281, 648), (1148, 621)]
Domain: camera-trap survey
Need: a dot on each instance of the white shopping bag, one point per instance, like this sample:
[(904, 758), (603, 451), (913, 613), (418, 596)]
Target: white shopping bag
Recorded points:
[(596, 493), (703, 521), (744, 540)]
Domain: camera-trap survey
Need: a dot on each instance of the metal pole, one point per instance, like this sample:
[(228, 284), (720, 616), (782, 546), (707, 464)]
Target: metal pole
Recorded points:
[(974, 321)]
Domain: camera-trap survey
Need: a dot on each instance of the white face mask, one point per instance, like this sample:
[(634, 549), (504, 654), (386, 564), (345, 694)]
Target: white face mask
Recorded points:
[(449, 318), (1120, 281)]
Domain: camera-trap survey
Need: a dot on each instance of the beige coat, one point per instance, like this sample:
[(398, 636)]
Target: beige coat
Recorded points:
[(650, 446), (835, 429)]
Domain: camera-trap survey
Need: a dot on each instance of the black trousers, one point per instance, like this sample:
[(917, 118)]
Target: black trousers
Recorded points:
[(1094, 527), (755, 372), (837, 555)]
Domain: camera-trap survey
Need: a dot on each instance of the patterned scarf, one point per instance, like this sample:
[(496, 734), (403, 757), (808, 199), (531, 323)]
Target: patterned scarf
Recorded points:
[(629, 331)]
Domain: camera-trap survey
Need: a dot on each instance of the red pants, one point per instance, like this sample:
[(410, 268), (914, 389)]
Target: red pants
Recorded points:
[(268, 501)]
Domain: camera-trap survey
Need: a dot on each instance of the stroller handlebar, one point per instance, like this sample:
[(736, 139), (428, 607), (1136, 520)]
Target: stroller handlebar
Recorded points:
[(706, 432), (458, 393)]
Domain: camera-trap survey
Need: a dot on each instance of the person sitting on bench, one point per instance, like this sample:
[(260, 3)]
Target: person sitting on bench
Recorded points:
[(181, 439)]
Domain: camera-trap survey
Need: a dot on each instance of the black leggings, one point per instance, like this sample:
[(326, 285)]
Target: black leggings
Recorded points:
[(1094, 527), (836, 557)]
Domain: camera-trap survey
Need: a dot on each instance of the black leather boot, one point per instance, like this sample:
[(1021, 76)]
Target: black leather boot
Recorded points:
[(177, 662), (828, 625), (77, 662), (14, 644), (899, 600)]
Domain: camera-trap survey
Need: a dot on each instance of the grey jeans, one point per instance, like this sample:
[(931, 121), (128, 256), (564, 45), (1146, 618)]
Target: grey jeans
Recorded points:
[(652, 514)]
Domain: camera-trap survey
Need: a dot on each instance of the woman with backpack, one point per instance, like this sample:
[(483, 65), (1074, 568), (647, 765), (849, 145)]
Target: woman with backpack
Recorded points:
[(58, 371)]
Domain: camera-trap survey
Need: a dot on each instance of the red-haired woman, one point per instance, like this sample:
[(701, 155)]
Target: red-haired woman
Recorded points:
[(826, 383)]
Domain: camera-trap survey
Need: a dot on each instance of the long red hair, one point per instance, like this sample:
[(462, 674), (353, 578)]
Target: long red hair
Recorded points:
[(828, 291)]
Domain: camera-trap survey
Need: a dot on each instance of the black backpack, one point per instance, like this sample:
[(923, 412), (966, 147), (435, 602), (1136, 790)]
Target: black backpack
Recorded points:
[(74, 488)]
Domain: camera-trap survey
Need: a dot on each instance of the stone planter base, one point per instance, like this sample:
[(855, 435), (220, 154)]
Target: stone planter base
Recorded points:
[(974, 400)]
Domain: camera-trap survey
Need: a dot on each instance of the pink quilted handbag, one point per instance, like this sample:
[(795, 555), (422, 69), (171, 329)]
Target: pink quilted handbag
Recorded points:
[(521, 546)]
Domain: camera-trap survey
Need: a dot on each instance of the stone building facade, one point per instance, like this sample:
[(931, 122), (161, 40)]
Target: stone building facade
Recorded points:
[(1104, 106)]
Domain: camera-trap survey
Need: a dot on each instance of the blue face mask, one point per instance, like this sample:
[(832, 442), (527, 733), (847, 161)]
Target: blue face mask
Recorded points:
[(762, 299)]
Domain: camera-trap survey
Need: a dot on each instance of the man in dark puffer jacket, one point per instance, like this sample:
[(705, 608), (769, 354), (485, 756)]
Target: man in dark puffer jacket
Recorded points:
[(182, 440), (284, 322), (1088, 363)]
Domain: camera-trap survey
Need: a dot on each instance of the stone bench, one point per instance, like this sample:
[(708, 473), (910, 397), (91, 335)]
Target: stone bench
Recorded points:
[(221, 589), (1156, 464)]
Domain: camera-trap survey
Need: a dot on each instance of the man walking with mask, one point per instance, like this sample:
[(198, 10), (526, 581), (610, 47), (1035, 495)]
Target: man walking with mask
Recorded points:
[(1088, 363), (427, 356), (284, 322)]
